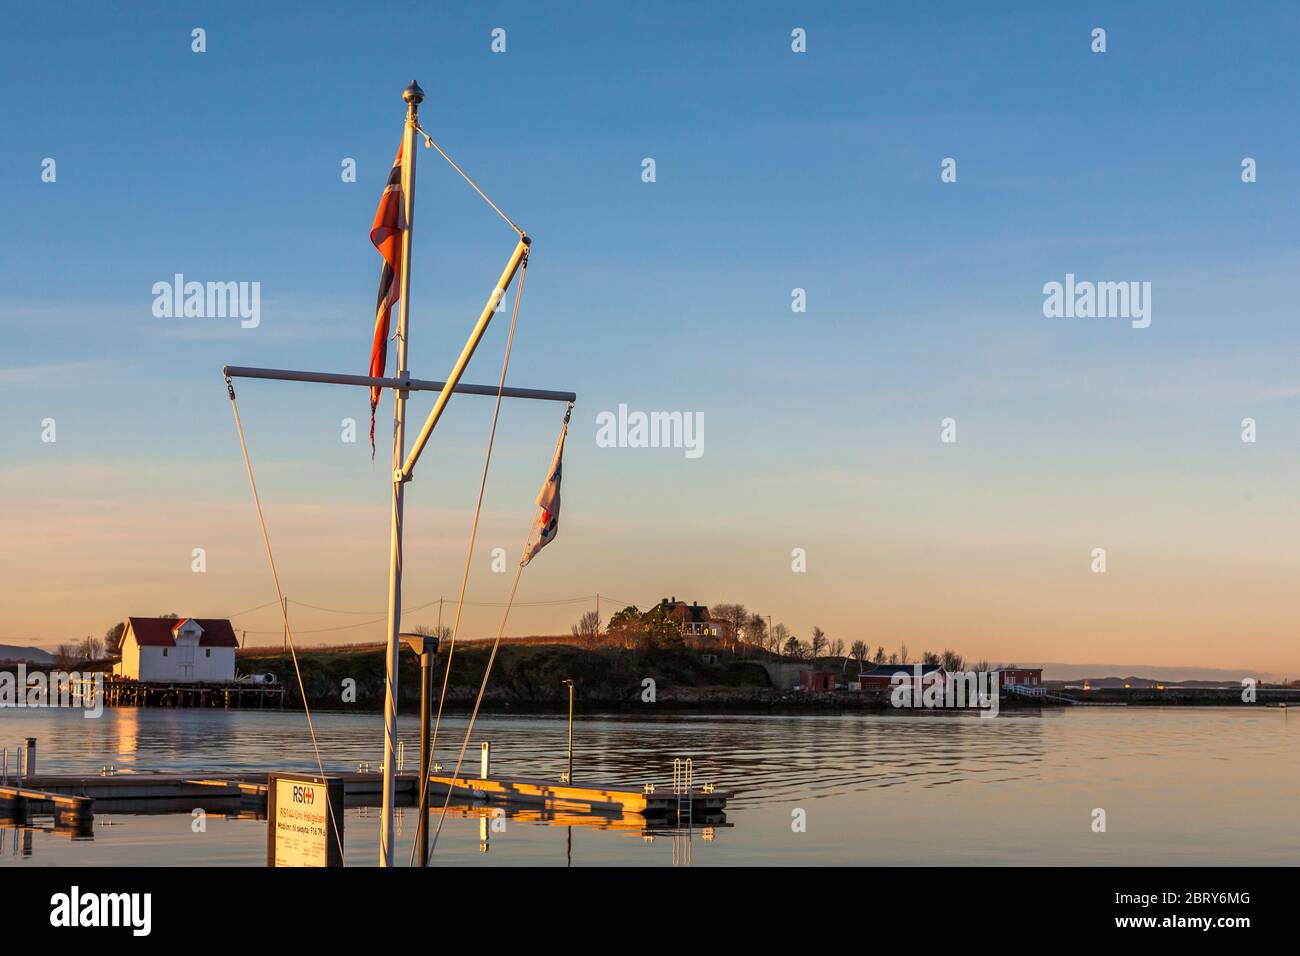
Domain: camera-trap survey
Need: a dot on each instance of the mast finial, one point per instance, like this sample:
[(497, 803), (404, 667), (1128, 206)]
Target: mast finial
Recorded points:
[(413, 95)]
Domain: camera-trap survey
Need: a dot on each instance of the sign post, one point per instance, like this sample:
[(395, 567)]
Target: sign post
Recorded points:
[(304, 820)]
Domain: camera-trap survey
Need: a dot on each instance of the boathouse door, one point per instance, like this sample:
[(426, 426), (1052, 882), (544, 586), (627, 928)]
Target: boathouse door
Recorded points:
[(185, 654)]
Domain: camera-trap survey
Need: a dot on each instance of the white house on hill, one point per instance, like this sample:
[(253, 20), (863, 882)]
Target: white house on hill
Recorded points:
[(186, 650)]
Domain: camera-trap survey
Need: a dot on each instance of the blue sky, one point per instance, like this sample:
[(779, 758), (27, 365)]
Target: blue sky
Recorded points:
[(775, 170)]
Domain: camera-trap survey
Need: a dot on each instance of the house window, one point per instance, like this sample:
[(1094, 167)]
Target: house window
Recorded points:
[(164, 652), (207, 652)]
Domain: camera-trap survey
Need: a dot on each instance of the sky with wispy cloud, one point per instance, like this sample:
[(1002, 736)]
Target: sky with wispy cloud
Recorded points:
[(775, 170)]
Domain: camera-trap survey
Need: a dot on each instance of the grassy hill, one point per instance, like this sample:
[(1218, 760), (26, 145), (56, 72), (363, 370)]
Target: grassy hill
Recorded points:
[(527, 673)]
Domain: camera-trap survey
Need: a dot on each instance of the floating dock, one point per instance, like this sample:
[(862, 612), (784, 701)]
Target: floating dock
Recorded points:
[(536, 791), (21, 801), (145, 792)]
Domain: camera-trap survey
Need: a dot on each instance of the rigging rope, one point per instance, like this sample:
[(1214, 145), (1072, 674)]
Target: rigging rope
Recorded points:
[(428, 141), (469, 728), (487, 672), (275, 575), (473, 534)]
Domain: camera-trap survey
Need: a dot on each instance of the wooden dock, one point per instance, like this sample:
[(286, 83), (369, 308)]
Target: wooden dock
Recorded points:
[(536, 791), (169, 792), (19, 802)]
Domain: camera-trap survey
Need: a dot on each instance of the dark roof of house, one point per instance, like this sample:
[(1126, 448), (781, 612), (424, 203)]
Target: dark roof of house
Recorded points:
[(698, 612), (691, 613), (889, 670), (160, 631)]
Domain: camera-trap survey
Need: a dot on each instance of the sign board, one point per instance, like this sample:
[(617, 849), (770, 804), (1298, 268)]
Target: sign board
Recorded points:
[(304, 820)]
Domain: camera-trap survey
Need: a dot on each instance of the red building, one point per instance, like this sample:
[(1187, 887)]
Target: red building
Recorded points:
[(1020, 676), (816, 680), (881, 676)]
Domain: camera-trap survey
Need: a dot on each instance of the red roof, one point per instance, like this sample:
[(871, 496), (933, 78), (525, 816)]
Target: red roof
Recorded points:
[(158, 631)]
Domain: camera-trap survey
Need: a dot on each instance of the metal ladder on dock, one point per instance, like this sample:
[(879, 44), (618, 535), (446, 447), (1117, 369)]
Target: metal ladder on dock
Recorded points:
[(22, 758), (683, 780)]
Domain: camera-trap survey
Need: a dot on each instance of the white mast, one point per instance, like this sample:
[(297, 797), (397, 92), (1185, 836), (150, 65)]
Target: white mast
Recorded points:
[(403, 464), (413, 96)]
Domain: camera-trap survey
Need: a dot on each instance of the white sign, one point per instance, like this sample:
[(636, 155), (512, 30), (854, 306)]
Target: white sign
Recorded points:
[(301, 823)]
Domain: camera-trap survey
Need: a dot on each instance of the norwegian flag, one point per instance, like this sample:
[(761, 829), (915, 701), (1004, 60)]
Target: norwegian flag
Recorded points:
[(386, 234), (548, 500)]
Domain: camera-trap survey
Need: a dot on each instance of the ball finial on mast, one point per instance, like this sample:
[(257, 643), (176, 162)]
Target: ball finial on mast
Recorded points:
[(413, 95)]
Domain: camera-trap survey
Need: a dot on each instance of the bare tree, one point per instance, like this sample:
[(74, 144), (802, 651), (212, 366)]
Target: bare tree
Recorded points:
[(902, 655), (441, 631), (837, 647), (929, 657), (780, 635), (588, 627), (952, 661), (860, 652), (818, 642), (91, 648), (64, 655), (793, 647), (733, 615), (880, 655)]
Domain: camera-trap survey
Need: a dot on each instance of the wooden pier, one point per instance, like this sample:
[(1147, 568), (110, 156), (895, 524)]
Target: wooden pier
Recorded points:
[(228, 696)]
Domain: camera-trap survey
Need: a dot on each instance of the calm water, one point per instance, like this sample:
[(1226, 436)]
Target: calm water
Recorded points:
[(1179, 786)]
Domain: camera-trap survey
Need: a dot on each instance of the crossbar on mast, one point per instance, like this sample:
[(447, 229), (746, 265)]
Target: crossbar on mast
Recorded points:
[(410, 384)]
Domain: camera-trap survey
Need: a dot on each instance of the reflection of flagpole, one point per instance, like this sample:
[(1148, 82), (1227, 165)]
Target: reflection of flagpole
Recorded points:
[(413, 96)]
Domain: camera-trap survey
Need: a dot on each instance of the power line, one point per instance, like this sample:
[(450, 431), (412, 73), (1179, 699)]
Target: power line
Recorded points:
[(549, 602), (554, 602), (252, 609)]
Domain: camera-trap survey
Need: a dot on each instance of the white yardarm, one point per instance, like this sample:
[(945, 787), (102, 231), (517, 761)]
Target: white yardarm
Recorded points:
[(1100, 300), (212, 300), (626, 429), (53, 689)]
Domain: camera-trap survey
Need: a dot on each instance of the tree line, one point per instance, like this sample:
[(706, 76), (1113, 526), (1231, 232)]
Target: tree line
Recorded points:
[(744, 630)]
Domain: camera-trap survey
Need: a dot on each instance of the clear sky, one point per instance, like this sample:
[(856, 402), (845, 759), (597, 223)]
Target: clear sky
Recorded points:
[(775, 170)]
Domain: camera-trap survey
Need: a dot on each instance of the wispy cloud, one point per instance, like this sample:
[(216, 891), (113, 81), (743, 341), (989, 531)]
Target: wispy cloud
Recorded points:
[(1281, 391), (42, 374)]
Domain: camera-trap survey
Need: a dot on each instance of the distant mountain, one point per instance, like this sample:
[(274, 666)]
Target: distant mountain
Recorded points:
[(1147, 674), (1146, 683), (33, 655)]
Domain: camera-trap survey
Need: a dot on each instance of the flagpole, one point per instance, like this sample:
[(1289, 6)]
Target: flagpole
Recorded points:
[(413, 96)]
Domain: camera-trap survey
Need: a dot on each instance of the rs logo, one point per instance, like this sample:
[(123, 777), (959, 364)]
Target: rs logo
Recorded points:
[(304, 795)]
